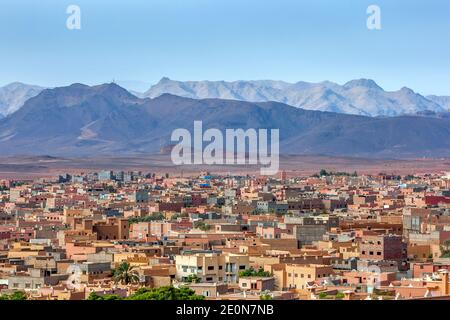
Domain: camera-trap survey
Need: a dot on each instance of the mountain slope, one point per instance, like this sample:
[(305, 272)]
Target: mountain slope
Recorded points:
[(14, 95), (80, 121), (361, 97), (444, 101)]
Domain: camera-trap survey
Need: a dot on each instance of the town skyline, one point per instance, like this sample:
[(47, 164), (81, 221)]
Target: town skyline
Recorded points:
[(137, 235)]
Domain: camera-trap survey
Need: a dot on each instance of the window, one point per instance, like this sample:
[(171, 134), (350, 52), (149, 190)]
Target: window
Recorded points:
[(378, 253), (241, 267), (209, 279), (244, 284), (296, 275), (210, 267), (302, 275), (220, 267), (371, 253)]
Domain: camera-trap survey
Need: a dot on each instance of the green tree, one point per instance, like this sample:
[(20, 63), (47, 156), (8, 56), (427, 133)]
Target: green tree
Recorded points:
[(253, 273), (202, 226), (179, 215), (95, 296), (340, 295), (323, 295), (165, 293), (193, 278), (16, 295), (125, 274), (265, 297), (155, 216)]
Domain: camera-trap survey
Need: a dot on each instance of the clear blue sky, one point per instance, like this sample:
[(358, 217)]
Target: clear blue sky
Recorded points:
[(291, 40)]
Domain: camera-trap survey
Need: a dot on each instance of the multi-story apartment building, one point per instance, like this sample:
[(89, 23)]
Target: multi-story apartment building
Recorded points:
[(384, 247), (211, 266), (298, 276)]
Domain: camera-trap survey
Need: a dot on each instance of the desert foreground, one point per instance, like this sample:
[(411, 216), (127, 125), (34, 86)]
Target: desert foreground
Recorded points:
[(295, 165)]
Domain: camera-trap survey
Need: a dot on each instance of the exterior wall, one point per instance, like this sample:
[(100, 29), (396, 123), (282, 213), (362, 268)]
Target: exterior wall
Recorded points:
[(421, 269), (307, 234), (206, 290), (385, 247), (256, 284), (74, 249), (211, 267), (297, 276), (27, 282)]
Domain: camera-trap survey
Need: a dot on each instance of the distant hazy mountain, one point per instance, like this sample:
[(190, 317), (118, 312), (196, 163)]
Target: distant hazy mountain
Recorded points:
[(80, 120), (441, 100), (361, 97), (14, 95)]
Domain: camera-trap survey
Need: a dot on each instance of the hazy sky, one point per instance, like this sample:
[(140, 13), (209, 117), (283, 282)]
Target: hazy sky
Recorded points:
[(291, 40)]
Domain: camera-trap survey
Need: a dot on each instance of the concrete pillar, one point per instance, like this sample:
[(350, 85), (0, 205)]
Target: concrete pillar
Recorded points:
[(444, 286)]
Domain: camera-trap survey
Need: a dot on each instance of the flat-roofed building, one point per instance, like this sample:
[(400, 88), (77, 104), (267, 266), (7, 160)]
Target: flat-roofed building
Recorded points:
[(211, 266)]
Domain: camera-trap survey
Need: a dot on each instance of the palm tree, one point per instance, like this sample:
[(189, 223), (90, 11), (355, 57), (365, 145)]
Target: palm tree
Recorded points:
[(125, 274)]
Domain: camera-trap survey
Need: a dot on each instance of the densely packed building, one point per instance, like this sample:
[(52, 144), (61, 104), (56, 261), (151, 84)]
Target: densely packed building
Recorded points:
[(328, 236)]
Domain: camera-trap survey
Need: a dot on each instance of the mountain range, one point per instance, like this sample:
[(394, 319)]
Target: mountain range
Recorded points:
[(14, 95), (80, 120), (360, 97)]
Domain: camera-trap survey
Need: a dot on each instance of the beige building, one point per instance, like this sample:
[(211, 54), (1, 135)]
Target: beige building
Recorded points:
[(297, 276), (211, 266)]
